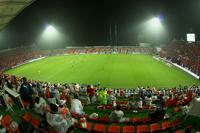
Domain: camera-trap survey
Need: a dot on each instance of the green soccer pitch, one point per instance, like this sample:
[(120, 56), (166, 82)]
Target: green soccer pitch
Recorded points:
[(114, 71)]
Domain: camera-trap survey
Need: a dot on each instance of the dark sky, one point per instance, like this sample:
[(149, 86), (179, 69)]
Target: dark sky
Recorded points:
[(87, 21)]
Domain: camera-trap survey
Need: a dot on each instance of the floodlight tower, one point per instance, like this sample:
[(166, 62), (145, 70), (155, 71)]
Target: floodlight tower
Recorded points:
[(50, 35)]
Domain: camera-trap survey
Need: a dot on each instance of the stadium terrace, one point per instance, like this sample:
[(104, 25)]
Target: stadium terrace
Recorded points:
[(99, 66)]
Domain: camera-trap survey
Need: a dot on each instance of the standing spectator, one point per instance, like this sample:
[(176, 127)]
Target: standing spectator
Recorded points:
[(26, 92), (117, 115)]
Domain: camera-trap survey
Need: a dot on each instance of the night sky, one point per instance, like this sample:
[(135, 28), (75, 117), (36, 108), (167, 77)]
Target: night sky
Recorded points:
[(84, 22)]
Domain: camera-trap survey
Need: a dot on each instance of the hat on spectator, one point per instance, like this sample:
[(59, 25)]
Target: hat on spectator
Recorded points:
[(62, 102)]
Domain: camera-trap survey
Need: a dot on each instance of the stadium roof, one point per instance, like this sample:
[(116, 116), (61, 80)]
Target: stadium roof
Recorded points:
[(10, 9)]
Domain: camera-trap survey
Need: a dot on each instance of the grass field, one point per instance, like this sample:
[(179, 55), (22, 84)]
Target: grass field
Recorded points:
[(115, 71)]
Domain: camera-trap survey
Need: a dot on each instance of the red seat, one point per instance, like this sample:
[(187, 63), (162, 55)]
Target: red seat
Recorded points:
[(114, 129), (104, 119), (142, 129), (89, 126), (128, 129), (180, 131), (75, 115), (99, 128), (6, 120), (85, 115), (155, 127), (109, 107), (100, 107), (27, 117), (94, 119), (137, 120), (170, 103), (176, 124), (36, 122), (146, 120), (166, 125)]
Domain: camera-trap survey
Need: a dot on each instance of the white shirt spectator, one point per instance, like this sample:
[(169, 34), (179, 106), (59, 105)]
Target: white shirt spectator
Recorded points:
[(39, 107), (117, 115), (56, 121), (140, 104), (148, 101), (76, 106), (154, 97)]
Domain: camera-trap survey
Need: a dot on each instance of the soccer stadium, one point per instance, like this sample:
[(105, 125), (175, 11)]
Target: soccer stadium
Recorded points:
[(99, 66)]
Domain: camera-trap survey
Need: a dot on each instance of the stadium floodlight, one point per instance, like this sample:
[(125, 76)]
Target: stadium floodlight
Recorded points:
[(152, 30), (155, 22), (50, 37), (50, 29), (50, 33)]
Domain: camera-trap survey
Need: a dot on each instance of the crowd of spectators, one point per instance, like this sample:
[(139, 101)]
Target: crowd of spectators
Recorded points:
[(13, 57), (184, 54), (109, 50), (50, 100)]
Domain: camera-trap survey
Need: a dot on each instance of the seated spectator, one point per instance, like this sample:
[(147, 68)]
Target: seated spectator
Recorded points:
[(111, 99), (56, 121), (65, 96), (47, 92), (158, 113), (26, 92), (40, 105), (76, 106), (64, 111), (91, 93), (76, 87), (148, 100), (132, 102), (140, 103), (117, 115), (186, 109), (103, 97)]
